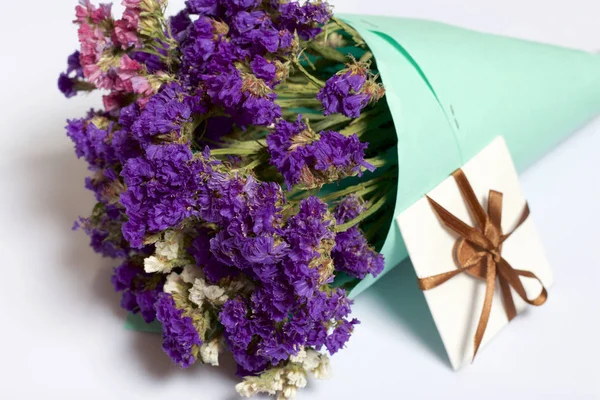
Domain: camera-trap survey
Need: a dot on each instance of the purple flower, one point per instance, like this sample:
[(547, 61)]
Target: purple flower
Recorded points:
[(151, 61), (308, 233), (225, 89), (214, 269), (202, 7), (123, 276), (345, 92), (66, 86), (200, 43), (179, 23), (285, 147), (302, 156), (234, 319), (306, 19), (104, 230), (259, 111), (68, 79), (244, 21), (340, 155), (180, 337), (161, 190), (139, 293), (352, 253), (340, 336), (165, 113), (74, 65), (264, 69)]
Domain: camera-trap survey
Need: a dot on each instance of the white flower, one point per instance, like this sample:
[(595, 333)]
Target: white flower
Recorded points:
[(288, 393), (299, 358), (323, 371), (277, 383), (190, 273), (154, 264), (169, 247), (246, 388), (297, 378), (215, 294), (200, 292), (173, 283), (210, 352), (317, 363), (311, 360)]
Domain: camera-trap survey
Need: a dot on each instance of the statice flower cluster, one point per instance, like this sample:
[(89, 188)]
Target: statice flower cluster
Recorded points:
[(228, 210), (311, 160)]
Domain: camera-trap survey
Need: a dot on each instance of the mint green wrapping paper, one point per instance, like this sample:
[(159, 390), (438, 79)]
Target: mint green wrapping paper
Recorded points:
[(452, 90)]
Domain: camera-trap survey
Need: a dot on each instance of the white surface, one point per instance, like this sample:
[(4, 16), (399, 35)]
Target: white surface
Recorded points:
[(456, 305), (62, 335)]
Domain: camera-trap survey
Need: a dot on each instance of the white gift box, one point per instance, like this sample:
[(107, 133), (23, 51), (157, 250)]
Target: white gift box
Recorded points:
[(456, 305)]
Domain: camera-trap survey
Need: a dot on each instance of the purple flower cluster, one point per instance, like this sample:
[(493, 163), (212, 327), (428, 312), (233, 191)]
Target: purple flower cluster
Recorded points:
[(180, 338), (205, 81), (162, 186), (104, 230), (230, 32), (352, 253), (139, 293), (164, 113), (304, 157), (349, 91), (287, 309), (67, 80)]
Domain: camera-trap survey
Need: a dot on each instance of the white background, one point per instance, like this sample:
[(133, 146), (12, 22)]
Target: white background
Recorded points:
[(61, 330)]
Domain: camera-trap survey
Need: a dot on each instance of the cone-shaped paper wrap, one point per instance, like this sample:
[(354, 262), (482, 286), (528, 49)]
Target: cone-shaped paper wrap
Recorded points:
[(451, 91)]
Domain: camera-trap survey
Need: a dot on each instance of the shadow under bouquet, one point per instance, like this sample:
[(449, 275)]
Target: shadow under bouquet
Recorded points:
[(242, 172)]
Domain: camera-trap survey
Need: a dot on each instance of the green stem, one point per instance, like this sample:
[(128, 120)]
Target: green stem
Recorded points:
[(360, 189), (377, 162), (366, 57), (329, 122), (318, 83), (233, 151), (304, 102), (364, 215), (328, 52), (375, 229), (253, 164), (355, 35)]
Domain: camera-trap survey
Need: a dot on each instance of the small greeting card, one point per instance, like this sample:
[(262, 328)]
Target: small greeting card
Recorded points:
[(476, 252)]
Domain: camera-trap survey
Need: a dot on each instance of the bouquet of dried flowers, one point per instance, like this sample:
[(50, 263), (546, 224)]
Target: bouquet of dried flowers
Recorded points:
[(241, 170)]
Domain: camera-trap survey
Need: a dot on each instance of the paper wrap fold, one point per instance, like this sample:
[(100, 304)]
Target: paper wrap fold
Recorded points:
[(451, 91)]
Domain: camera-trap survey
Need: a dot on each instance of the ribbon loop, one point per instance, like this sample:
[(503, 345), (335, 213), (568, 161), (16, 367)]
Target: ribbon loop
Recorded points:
[(478, 251)]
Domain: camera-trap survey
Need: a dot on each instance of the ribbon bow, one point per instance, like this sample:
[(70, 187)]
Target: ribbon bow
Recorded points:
[(478, 252)]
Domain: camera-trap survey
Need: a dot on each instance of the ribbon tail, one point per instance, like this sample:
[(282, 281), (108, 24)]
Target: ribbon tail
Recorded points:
[(490, 282), (436, 280), (452, 222), (466, 190), (507, 299), (512, 276)]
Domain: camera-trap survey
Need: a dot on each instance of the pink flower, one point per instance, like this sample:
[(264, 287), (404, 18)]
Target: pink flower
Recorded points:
[(93, 42), (126, 35), (128, 69), (87, 12), (132, 15), (141, 86), (131, 3), (114, 101)]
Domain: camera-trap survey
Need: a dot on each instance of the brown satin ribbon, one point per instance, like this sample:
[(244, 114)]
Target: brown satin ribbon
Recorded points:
[(478, 253)]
